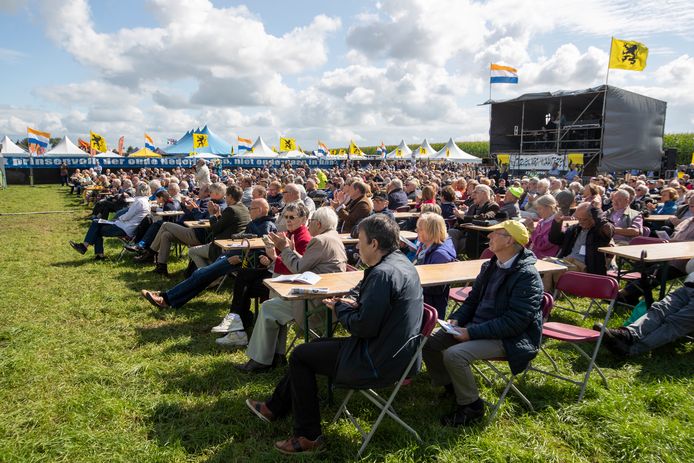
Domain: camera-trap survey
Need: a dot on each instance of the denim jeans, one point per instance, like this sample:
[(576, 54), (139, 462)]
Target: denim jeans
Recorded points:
[(195, 284), (96, 233), (149, 235)]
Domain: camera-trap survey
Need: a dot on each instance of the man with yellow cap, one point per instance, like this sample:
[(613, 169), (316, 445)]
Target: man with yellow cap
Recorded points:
[(502, 317)]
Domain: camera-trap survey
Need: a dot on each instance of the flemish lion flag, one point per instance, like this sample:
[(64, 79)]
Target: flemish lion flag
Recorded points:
[(287, 144), (199, 140), (354, 149), (97, 142), (627, 54)]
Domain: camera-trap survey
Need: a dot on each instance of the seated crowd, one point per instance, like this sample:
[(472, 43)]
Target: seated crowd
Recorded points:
[(303, 214)]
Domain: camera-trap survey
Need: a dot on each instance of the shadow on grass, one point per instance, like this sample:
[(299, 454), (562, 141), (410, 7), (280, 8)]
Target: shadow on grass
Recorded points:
[(78, 262)]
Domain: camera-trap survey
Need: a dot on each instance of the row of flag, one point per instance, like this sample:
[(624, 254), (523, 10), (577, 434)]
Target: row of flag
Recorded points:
[(624, 54)]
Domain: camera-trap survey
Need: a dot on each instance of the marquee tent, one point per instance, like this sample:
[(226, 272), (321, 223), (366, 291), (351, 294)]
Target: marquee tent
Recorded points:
[(405, 151), (451, 152), (144, 153), (294, 154), (260, 149), (10, 148), (107, 155), (215, 145), (428, 151), (66, 148)]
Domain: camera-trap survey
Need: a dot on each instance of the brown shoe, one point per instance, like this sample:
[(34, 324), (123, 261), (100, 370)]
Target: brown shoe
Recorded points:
[(295, 445), (155, 299), (260, 410)]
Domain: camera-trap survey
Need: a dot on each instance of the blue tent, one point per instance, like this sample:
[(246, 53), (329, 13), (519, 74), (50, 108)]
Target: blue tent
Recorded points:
[(215, 145)]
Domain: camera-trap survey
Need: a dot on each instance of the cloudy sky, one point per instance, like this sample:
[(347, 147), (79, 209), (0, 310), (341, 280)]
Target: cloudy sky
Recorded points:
[(316, 69)]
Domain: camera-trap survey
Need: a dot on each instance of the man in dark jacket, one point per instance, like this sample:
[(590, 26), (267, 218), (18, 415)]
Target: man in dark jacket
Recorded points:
[(176, 297), (383, 315), (501, 317), (223, 225), (396, 195), (580, 242)]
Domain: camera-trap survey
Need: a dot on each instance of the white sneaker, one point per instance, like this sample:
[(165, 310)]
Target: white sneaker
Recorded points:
[(233, 339), (232, 322)]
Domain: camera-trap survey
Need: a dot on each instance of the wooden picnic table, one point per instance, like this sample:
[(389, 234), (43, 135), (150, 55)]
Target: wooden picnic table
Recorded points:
[(658, 218), (658, 253), (429, 275), (405, 215), (205, 223), (257, 243), (168, 213)]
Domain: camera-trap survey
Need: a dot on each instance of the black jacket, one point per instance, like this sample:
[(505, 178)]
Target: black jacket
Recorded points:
[(518, 321), (232, 221), (388, 316), (397, 198), (598, 236)]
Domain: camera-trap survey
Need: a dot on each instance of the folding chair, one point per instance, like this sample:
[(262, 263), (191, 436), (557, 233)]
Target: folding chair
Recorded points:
[(429, 317), (632, 276), (547, 303), (595, 287)]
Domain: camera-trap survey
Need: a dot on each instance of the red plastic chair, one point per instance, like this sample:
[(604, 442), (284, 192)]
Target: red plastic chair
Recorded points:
[(458, 295), (547, 304), (429, 317), (596, 288)]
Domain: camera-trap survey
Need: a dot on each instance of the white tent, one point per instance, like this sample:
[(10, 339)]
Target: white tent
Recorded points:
[(405, 151), (425, 151), (260, 149), (294, 154), (451, 152), (10, 148), (66, 148), (107, 155)]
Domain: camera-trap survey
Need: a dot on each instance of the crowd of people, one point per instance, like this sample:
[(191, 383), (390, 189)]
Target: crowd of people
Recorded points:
[(300, 213)]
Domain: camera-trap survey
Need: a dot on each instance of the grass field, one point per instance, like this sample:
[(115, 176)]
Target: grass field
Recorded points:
[(89, 372)]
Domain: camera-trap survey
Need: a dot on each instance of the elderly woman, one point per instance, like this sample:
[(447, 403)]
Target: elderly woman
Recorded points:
[(669, 198), (125, 225), (546, 207), (435, 247), (325, 253)]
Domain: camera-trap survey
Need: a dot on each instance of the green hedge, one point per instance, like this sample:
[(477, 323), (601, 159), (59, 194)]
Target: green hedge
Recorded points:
[(683, 142)]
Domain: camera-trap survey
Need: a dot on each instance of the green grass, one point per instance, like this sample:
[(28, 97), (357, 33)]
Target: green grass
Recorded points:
[(90, 372)]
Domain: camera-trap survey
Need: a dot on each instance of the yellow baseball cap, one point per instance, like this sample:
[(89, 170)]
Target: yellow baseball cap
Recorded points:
[(514, 228)]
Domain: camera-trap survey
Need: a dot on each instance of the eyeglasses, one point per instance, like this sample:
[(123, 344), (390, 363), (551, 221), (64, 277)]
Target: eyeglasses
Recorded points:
[(290, 217)]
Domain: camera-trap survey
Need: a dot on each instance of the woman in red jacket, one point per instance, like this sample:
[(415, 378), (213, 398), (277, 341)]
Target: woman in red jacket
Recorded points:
[(249, 282)]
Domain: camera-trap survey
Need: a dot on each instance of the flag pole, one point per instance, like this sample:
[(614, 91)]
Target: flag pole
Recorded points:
[(604, 103), (489, 145)]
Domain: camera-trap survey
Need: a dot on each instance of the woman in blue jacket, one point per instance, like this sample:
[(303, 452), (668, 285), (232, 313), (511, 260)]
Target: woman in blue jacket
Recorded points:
[(669, 198), (435, 247)]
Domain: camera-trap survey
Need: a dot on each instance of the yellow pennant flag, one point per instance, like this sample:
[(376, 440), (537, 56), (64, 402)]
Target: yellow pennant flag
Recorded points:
[(287, 144), (627, 54), (199, 140), (97, 142)]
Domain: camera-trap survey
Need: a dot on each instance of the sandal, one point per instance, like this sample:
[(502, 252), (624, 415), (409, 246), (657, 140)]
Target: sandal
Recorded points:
[(257, 408), (295, 445), (149, 295)]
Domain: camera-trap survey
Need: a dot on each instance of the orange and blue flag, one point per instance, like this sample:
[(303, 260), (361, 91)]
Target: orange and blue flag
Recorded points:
[(502, 74)]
